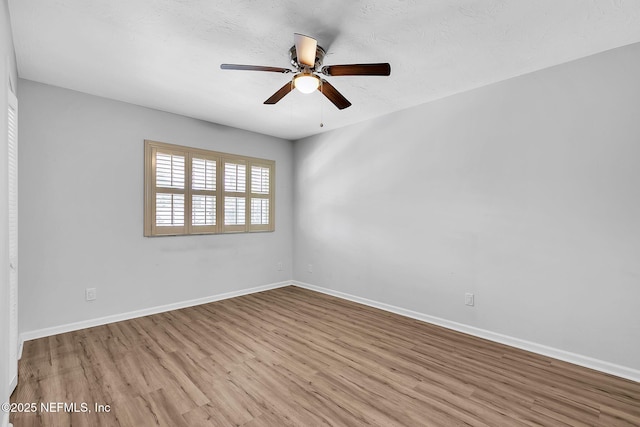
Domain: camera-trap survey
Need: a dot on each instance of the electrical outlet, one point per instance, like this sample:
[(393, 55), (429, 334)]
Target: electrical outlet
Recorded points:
[(280, 266), (468, 299), (90, 294), (310, 268)]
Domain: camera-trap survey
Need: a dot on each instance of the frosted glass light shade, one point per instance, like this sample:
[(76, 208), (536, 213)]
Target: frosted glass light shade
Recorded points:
[(306, 83)]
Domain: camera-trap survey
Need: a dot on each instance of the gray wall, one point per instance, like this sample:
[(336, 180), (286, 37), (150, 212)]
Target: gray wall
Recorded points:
[(81, 212), (7, 70), (525, 193)]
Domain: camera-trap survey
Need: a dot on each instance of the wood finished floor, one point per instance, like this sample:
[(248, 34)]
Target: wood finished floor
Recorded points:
[(295, 357)]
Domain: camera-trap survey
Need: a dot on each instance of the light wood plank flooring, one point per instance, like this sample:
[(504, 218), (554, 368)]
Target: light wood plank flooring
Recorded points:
[(295, 357)]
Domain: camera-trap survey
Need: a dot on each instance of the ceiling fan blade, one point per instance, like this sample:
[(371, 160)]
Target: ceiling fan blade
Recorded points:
[(280, 93), (334, 96), (254, 68), (305, 49), (380, 69)]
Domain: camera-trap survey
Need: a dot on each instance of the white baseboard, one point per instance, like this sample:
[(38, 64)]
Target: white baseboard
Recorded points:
[(577, 359), (5, 419), (69, 327)]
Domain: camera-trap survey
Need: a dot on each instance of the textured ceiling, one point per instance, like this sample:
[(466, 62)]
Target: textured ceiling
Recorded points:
[(166, 54)]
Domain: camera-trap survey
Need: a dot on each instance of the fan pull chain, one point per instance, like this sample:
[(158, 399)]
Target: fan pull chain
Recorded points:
[(321, 107)]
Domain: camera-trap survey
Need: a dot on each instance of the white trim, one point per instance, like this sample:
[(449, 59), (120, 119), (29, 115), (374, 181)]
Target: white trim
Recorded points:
[(11, 86), (13, 384), (5, 419), (577, 359), (20, 347), (61, 329), (12, 209)]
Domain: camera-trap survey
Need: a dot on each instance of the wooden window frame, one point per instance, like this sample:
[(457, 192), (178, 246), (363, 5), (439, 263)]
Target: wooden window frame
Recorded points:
[(150, 190)]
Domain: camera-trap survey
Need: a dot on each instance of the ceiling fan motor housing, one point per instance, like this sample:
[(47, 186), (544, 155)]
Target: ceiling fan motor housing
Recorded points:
[(320, 53)]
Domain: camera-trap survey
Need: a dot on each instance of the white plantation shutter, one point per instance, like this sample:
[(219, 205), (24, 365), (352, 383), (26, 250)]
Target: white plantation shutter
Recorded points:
[(261, 218), (169, 171), (259, 180), (195, 191), (169, 209), (12, 167), (235, 177), (235, 187), (203, 174), (204, 209), (234, 210), (169, 191), (259, 211)]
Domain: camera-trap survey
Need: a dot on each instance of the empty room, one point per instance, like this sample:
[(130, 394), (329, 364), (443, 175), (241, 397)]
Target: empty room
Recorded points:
[(305, 213)]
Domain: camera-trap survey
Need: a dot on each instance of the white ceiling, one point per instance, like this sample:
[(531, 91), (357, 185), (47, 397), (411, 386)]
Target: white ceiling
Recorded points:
[(166, 54)]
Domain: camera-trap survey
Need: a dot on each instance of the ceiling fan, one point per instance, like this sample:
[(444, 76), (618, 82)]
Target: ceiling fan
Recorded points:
[(306, 57)]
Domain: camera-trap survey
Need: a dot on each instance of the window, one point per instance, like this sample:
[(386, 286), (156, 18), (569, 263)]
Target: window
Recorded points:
[(194, 191)]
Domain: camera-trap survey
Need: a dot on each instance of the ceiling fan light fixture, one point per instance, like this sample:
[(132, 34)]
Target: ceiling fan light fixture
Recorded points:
[(306, 83), (306, 57)]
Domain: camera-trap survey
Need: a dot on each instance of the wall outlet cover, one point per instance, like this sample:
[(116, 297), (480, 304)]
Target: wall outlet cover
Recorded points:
[(469, 299)]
